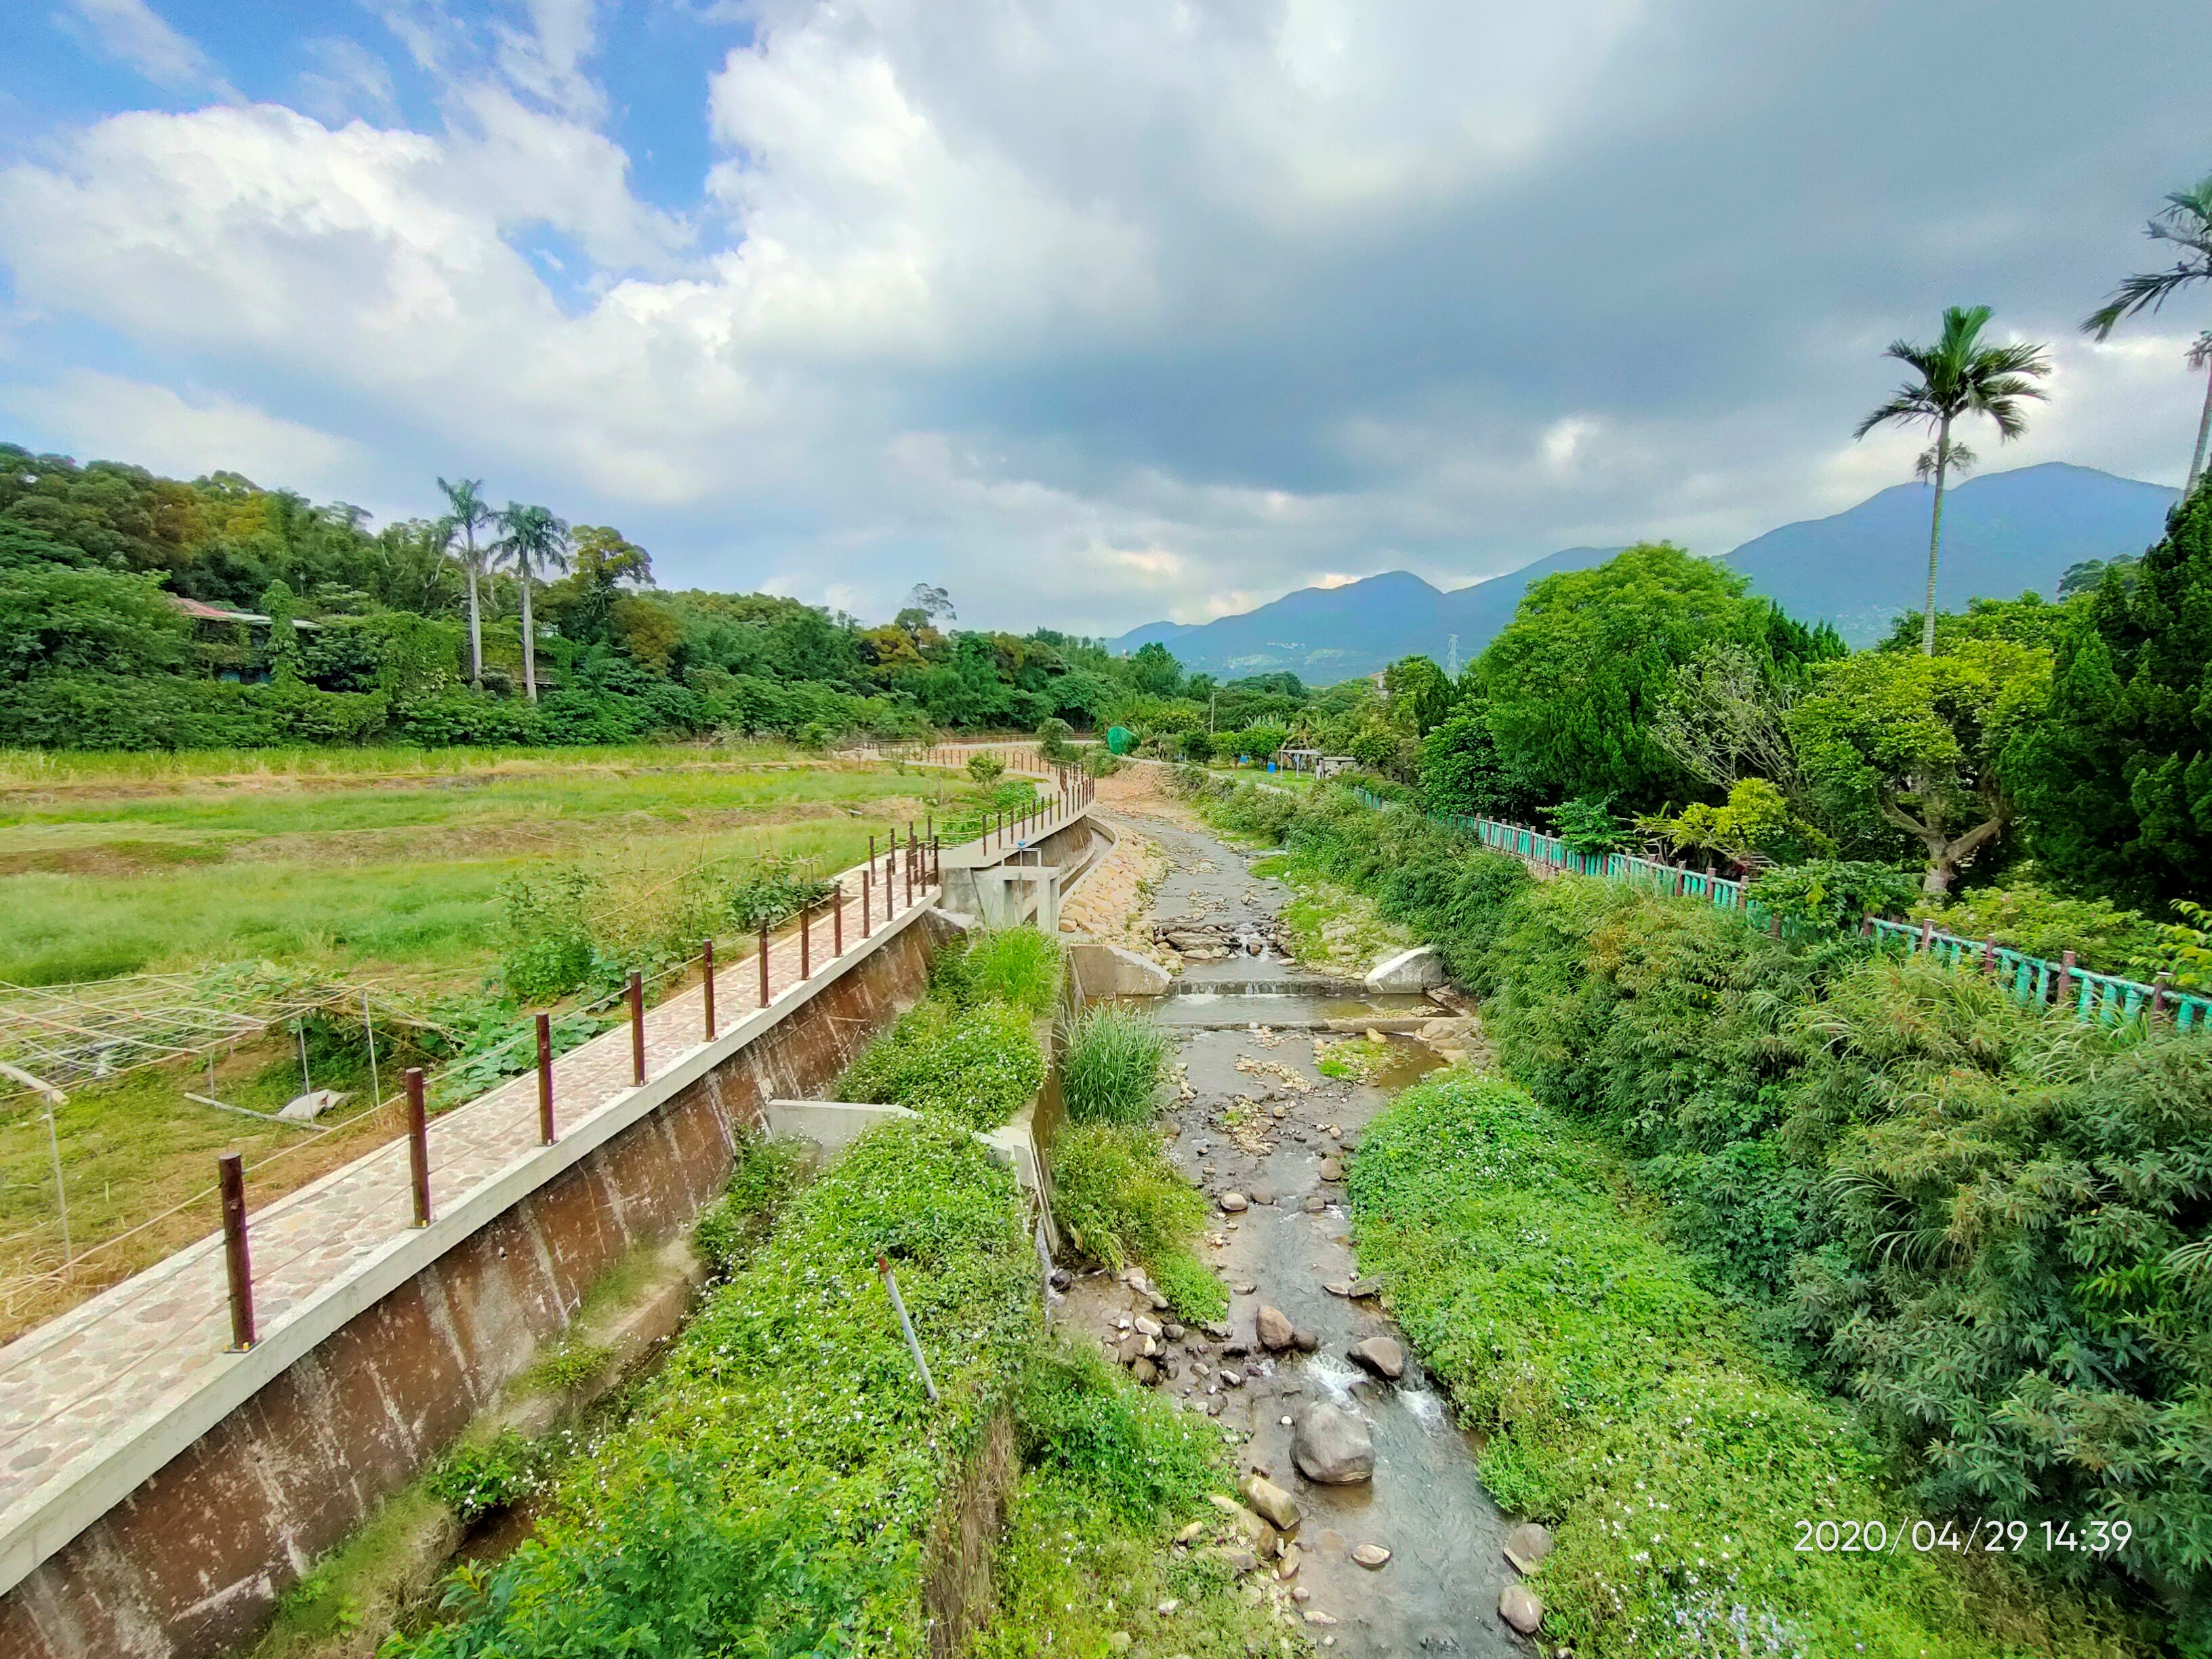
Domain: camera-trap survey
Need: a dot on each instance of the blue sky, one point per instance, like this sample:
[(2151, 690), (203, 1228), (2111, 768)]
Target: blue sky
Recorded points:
[(1094, 314)]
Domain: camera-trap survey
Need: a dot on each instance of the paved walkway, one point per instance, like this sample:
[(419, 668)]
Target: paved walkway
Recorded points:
[(138, 1349)]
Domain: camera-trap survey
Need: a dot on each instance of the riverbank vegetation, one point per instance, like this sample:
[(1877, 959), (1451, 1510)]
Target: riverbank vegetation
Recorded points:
[(969, 1050), (1115, 1194), (1978, 1229)]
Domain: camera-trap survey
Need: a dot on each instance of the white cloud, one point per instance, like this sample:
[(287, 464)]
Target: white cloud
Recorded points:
[(1098, 313), (96, 414), (132, 33)]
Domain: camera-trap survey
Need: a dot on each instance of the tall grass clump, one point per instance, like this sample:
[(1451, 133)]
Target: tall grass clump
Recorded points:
[(977, 1067), (1113, 1062), (1020, 967)]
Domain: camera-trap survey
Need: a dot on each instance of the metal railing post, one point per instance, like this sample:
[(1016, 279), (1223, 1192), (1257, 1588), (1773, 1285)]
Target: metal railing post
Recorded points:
[(230, 1176), (805, 941), (707, 985), (838, 921), (418, 1145), (545, 1079), (2065, 978), (763, 964), (636, 991), (1989, 958), (909, 875), (867, 892)]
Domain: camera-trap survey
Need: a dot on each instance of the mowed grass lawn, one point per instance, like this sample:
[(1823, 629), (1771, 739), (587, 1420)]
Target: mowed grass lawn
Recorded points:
[(149, 863)]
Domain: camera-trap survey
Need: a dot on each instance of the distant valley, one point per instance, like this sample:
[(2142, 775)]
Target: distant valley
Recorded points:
[(2003, 534)]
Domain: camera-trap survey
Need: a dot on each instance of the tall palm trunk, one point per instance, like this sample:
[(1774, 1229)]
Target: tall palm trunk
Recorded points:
[(475, 619), (2204, 430), (529, 635), (1936, 538)]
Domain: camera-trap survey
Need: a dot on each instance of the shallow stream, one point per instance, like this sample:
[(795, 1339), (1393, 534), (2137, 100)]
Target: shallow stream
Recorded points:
[(1257, 1119)]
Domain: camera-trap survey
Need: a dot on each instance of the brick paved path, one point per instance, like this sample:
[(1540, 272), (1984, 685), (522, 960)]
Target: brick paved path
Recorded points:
[(138, 1349)]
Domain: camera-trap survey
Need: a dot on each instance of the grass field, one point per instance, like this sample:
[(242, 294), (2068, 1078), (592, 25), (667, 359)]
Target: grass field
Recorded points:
[(134, 863), (377, 867)]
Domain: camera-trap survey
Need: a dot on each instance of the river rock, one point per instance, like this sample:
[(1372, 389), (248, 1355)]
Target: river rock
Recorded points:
[(1332, 1446), (1148, 1327), (1365, 1287), (1232, 1379), (1287, 1569), (1519, 1607), (1145, 1372), (1240, 1560), (1234, 1203), (1305, 1341), (1270, 1500), (1408, 971), (1527, 1546), (1275, 1328), (1190, 1532), (1332, 1168), (1382, 1356), (1371, 1556)]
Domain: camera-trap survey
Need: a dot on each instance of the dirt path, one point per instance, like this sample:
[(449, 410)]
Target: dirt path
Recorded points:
[(1258, 1120)]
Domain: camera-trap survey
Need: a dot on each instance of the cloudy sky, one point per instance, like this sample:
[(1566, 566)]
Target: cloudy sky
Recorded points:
[(1094, 312)]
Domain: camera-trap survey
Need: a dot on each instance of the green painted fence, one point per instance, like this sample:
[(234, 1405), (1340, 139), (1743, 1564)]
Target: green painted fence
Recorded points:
[(2104, 998)]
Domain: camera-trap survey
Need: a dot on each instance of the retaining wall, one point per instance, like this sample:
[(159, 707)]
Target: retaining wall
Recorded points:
[(192, 1559)]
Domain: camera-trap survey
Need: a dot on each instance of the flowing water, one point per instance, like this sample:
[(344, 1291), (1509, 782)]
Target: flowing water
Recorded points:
[(1246, 1031)]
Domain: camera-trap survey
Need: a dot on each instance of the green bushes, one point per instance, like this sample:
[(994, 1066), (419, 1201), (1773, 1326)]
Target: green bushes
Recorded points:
[(762, 1178), (775, 1487), (976, 1066), (1113, 1061), (962, 1052), (1622, 1401), (1982, 1224)]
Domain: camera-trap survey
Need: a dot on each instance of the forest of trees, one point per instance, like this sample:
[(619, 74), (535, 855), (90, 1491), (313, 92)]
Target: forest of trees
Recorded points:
[(360, 635)]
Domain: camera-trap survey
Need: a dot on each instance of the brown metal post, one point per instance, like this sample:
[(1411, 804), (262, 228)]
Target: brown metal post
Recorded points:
[(1866, 924), (1927, 932), (805, 942), (2065, 978), (636, 1026), (910, 874), (867, 885), (418, 1147), (230, 1171), (545, 1079), (838, 921), (2158, 997), (763, 962), (707, 985), (871, 853), (1988, 958)]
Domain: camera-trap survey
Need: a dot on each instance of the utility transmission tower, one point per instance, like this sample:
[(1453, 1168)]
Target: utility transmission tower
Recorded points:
[(1451, 658)]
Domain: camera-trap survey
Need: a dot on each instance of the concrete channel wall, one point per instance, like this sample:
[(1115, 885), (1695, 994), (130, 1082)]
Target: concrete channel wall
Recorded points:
[(191, 1560)]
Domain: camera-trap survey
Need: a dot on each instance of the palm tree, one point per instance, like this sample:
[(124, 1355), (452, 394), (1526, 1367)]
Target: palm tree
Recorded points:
[(535, 543), (2185, 220), (1959, 376), (470, 513)]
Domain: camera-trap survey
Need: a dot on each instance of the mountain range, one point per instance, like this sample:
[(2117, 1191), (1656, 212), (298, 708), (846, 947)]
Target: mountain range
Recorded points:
[(2003, 534)]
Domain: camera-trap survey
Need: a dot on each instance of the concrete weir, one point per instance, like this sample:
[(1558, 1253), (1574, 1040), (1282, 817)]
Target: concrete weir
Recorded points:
[(170, 1533)]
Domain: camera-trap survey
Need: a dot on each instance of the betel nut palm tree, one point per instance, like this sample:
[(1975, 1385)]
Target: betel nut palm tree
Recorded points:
[(534, 543), (2186, 221), (468, 511), (1959, 375)]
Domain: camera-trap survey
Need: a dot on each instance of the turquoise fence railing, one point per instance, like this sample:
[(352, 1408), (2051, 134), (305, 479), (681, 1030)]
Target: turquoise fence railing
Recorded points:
[(2104, 998)]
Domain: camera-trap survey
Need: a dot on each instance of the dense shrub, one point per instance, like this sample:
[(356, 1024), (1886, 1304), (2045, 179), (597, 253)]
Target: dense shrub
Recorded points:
[(976, 1066)]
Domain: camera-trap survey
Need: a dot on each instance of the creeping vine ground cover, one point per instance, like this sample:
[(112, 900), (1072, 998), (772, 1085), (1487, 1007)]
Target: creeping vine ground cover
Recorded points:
[(773, 1490), (966, 1051)]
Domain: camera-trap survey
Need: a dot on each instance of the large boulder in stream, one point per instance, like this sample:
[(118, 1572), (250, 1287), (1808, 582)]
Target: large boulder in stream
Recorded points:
[(1331, 1446)]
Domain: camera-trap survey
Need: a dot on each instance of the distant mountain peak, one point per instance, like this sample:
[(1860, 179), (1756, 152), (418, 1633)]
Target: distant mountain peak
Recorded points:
[(2004, 532)]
